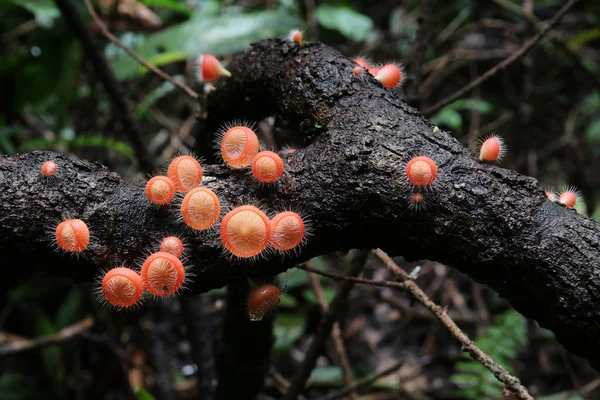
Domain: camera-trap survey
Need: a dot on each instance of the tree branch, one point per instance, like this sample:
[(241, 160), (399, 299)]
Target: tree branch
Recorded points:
[(493, 224)]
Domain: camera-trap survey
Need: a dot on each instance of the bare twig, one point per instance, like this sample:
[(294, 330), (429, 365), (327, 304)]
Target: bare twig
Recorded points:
[(523, 50), (365, 382), (527, 14), (317, 345), (190, 92), (336, 335), (512, 383), (11, 344), (281, 383), (110, 83)]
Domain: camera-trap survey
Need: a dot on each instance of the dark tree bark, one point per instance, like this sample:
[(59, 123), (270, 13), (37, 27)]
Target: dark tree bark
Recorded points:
[(243, 352), (493, 224)]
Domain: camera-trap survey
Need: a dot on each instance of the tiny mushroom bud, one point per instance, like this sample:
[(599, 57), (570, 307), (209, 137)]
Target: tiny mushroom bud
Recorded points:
[(209, 69), (362, 62), (569, 197), (296, 36), (172, 245), (389, 75), (492, 149), (49, 168), (417, 202)]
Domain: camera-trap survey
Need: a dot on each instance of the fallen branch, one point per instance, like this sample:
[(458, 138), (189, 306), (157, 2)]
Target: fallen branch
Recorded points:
[(491, 223), (9, 344)]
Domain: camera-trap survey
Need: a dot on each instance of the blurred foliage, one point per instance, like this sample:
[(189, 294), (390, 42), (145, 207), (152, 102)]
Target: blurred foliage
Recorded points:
[(209, 30), (451, 117), (347, 21), (143, 394), (502, 341)]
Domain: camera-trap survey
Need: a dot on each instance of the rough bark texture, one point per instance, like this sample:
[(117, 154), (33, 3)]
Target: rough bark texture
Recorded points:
[(491, 223)]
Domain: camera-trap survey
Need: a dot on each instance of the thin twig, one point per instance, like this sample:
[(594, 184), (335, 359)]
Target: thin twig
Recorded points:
[(336, 335), (523, 50), (365, 382), (511, 382), (190, 92), (110, 83), (529, 17), (13, 345), (329, 317), (282, 383)]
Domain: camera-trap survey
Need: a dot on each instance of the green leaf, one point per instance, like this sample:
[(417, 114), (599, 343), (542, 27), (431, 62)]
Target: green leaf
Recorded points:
[(327, 375), (70, 309), (481, 106), (592, 133), (143, 394), (66, 88), (502, 341), (33, 291), (81, 141), (447, 117), (229, 32), (163, 59), (583, 38), (220, 292), (6, 146), (51, 355), (297, 278), (15, 386), (288, 301), (465, 380), (287, 329), (310, 296), (44, 11), (152, 97), (347, 21), (169, 4)]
